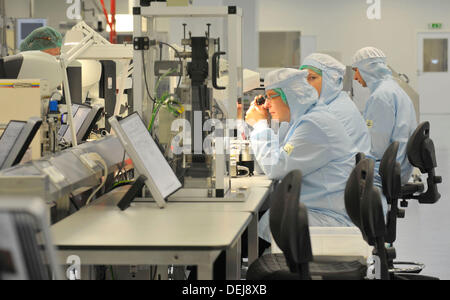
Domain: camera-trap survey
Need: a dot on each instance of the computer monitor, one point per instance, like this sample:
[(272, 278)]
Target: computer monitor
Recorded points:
[(15, 141), (146, 156), (84, 118), (26, 26)]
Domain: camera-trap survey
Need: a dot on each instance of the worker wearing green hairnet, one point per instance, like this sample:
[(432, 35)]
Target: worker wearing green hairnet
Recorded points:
[(45, 39)]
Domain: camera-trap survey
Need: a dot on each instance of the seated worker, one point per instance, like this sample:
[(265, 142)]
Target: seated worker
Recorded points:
[(326, 75), (389, 112), (315, 143), (45, 39)]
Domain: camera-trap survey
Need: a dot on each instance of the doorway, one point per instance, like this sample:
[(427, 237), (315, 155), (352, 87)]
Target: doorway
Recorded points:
[(433, 72)]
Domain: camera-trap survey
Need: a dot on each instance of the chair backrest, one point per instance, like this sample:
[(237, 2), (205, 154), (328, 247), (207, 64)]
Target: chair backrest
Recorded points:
[(360, 156), (363, 202), (421, 154), (289, 222), (363, 205), (420, 149), (390, 172)]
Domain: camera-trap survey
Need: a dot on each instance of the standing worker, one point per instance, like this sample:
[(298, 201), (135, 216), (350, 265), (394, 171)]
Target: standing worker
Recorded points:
[(389, 112), (326, 75), (45, 39)]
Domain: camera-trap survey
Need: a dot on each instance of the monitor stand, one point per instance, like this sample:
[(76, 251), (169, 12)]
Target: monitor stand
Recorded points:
[(137, 187)]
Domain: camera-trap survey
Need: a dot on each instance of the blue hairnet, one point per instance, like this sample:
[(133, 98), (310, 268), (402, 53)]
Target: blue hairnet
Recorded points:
[(373, 70), (367, 52), (301, 96), (332, 75)]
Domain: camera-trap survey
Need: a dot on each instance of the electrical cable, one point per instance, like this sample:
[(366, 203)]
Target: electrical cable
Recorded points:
[(95, 157), (122, 183), (159, 102), (145, 79), (179, 58), (112, 273), (122, 165)]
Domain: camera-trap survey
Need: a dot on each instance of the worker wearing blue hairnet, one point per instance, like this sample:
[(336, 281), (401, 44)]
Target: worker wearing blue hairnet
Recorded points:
[(315, 143), (45, 39), (389, 112), (326, 74)]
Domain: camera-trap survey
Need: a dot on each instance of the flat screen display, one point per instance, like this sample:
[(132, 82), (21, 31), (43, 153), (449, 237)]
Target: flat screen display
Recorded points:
[(27, 26), (149, 154), (9, 138)]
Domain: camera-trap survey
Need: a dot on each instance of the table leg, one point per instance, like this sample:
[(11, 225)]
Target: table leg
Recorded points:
[(233, 265), (162, 273), (205, 272), (253, 246)]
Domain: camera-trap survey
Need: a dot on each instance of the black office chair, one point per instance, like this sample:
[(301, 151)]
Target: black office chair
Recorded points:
[(421, 154), (290, 230), (363, 206), (390, 172), (360, 156)]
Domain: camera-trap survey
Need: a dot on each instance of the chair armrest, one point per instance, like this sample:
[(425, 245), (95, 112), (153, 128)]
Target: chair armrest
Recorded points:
[(410, 189)]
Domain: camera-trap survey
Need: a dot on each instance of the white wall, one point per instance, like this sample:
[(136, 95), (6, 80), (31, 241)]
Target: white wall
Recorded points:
[(17, 8), (343, 26), (250, 28), (55, 10), (196, 25)]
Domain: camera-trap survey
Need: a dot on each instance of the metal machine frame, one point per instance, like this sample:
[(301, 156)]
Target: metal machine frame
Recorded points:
[(234, 91), (233, 15), (93, 46)]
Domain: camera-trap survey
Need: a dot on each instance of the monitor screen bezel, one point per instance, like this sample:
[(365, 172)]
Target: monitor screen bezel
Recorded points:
[(21, 21), (117, 127)]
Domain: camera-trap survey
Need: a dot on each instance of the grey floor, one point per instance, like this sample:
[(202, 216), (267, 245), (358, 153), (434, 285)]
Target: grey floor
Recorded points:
[(424, 234)]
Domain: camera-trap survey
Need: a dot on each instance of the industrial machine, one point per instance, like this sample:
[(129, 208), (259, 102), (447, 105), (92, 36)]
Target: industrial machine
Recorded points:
[(61, 177), (86, 48), (98, 69), (200, 153), (30, 65)]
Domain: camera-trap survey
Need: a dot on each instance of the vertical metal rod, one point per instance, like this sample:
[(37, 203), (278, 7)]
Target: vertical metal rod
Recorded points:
[(233, 262), (4, 46), (253, 240), (184, 35), (32, 8), (69, 104), (138, 87)]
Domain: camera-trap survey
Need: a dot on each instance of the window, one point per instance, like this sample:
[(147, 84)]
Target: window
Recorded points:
[(279, 49), (435, 55)]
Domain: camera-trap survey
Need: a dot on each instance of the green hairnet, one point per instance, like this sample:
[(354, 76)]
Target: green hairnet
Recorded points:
[(318, 71), (42, 38), (281, 94)]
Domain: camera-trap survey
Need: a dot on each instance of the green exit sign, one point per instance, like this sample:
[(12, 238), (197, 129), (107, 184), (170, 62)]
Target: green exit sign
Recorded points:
[(435, 26)]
